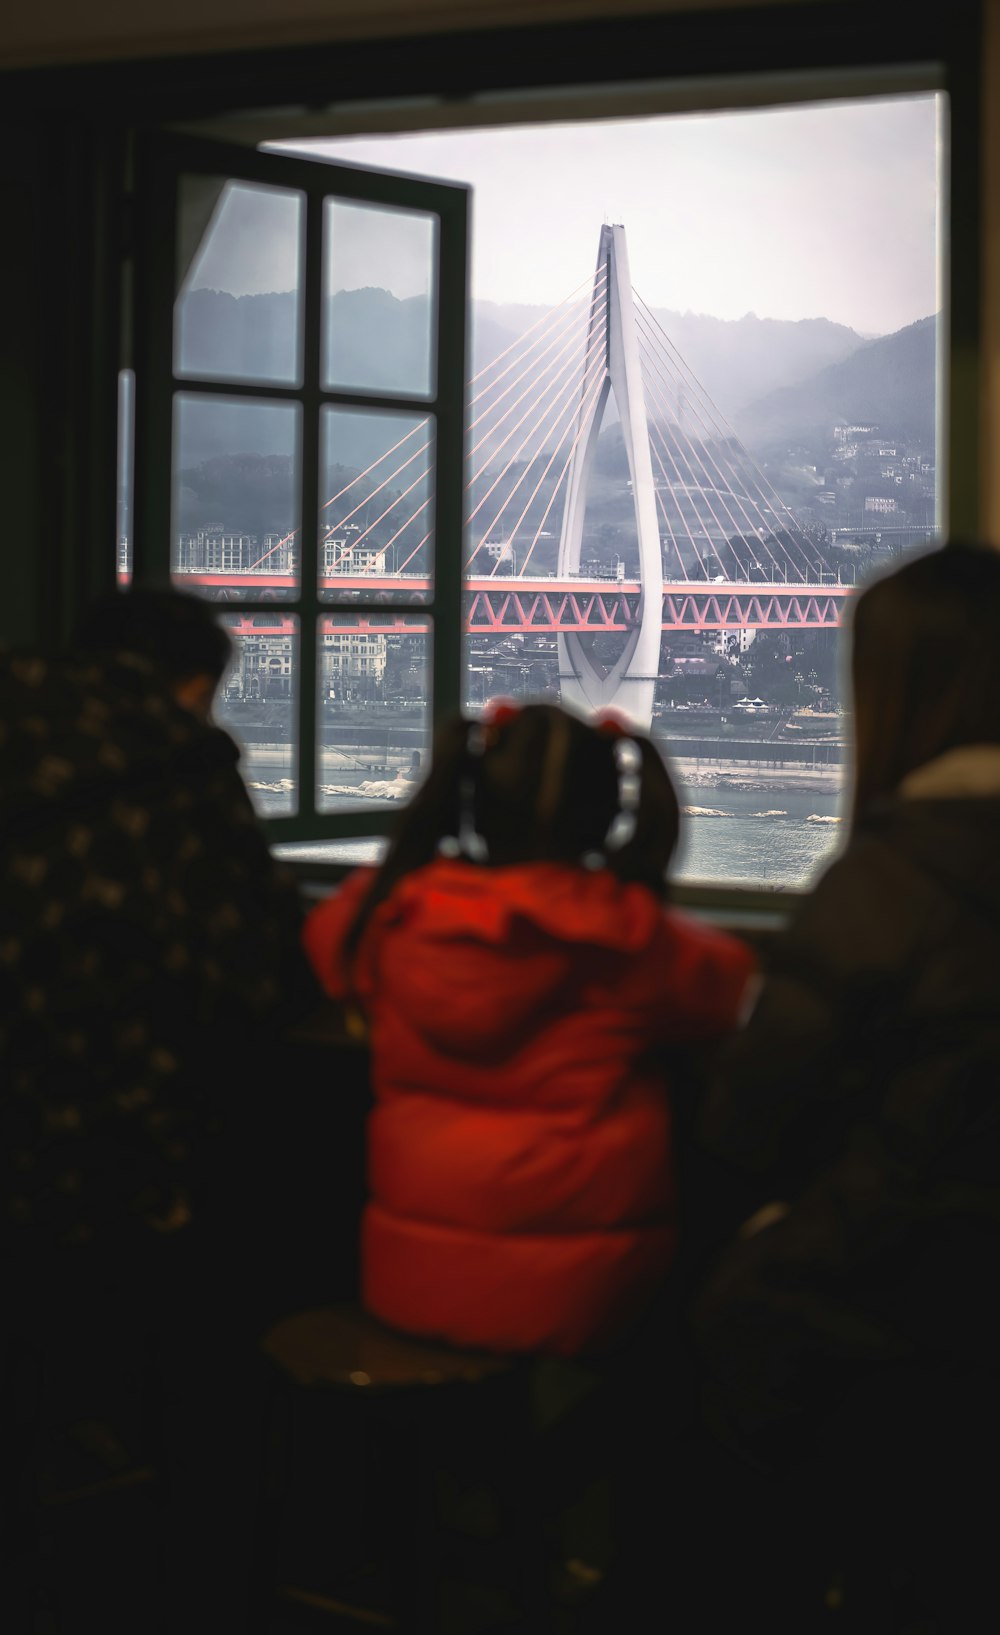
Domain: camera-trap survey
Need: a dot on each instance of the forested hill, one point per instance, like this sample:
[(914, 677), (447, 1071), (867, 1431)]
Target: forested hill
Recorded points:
[(383, 342), (890, 382), (734, 359), (777, 382), (373, 340)]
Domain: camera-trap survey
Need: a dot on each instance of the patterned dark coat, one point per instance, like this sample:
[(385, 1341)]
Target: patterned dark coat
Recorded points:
[(147, 940)]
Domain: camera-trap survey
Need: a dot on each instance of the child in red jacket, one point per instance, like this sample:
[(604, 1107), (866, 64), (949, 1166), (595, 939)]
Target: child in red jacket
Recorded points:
[(518, 972)]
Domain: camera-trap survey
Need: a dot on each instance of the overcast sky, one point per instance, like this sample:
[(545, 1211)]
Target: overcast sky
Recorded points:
[(828, 210)]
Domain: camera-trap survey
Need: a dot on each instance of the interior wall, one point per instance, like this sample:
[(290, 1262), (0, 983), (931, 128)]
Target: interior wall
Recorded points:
[(61, 31), (989, 342)]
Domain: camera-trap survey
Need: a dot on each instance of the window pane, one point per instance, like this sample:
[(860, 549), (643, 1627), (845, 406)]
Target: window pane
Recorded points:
[(236, 487), (376, 505), (693, 432), (257, 704), (238, 314), (374, 709), (751, 820), (380, 310)]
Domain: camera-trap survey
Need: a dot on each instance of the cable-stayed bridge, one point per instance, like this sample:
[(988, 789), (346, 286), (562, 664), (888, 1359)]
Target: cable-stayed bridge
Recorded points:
[(710, 544)]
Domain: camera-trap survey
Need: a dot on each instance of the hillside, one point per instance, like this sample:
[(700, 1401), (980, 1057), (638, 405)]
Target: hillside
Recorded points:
[(735, 360), (372, 338), (382, 341), (890, 381)]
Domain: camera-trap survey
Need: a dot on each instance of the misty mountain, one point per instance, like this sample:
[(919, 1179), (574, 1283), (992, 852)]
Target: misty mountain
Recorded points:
[(735, 360), (372, 340), (379, 342), (890, 381), (246, 493)]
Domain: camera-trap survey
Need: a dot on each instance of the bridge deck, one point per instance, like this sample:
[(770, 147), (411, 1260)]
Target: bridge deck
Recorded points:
[(521, 605)]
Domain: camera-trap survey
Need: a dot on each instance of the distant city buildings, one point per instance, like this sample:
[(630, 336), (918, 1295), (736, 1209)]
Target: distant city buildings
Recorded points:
[(265, 665), (352, 663), (215, 550)]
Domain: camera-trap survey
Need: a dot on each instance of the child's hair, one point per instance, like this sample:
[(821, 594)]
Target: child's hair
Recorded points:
[(537, 784), (925, 667)]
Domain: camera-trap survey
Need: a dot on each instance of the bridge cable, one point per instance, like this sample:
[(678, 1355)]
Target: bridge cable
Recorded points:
[(714, 433), (692, 490), (567, 400), (598, 381), (561, 329), (671, 456), (572, 364), (722, 493), (727, 433), (518, 339)]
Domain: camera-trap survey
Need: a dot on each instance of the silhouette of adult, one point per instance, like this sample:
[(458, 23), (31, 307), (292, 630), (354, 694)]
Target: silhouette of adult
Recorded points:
[(847, 1329), (149, 963)]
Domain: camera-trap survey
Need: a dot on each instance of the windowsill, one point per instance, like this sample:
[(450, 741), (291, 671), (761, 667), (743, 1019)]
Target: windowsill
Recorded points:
[(753, 914)]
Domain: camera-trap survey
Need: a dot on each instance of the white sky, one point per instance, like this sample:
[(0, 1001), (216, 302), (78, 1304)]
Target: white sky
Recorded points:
[(828, 210)]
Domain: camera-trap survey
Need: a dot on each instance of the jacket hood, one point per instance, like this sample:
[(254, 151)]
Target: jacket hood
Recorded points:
[(453, 937), (945, 823), (969, 772), (75, 734)]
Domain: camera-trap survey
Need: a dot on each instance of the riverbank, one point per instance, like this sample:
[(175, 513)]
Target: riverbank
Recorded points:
[(700, 773)]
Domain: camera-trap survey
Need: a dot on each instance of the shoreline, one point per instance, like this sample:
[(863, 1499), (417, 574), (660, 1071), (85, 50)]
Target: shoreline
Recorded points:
[(698, 772), (692, 771)]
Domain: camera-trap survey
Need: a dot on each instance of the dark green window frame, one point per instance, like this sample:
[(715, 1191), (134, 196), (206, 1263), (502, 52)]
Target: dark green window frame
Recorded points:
[(161, 161)]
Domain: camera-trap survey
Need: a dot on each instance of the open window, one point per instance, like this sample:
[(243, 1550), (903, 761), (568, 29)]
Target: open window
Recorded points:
[(264, 385), (697, 426), (374, 579)]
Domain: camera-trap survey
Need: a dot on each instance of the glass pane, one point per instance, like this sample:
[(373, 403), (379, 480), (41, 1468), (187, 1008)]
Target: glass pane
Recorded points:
[(238, 314), (374, 710), (257, 704), (376, 503), (510, 666), (758, 814), (693, 560), (236, 488), (380, 308)]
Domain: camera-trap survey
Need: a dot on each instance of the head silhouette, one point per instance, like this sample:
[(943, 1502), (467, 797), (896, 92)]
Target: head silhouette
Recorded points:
[(925, 670), (538, 784), (176, 632)]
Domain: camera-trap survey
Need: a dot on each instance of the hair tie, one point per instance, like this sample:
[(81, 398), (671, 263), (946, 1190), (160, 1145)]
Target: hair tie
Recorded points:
[(470, 842), (499, 713), (611, 725), (628, 760)]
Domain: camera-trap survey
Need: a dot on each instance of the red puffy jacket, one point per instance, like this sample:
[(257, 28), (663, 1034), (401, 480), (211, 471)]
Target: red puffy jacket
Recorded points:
[(519, 1152)]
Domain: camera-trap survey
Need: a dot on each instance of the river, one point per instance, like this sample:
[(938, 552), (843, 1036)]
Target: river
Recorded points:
[(765, 827)]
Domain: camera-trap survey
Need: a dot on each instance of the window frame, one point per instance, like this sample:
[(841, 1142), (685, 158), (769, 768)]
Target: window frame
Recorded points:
[(162, 159)]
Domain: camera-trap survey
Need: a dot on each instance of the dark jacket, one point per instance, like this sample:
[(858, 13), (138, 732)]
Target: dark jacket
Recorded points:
[(147, 940), (865, 1093)]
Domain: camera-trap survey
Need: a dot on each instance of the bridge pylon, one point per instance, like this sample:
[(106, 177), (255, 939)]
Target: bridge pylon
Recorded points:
[(629, 685)]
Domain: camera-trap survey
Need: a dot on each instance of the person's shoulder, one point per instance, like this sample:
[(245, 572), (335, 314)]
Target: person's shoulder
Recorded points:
[(858, 913)]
